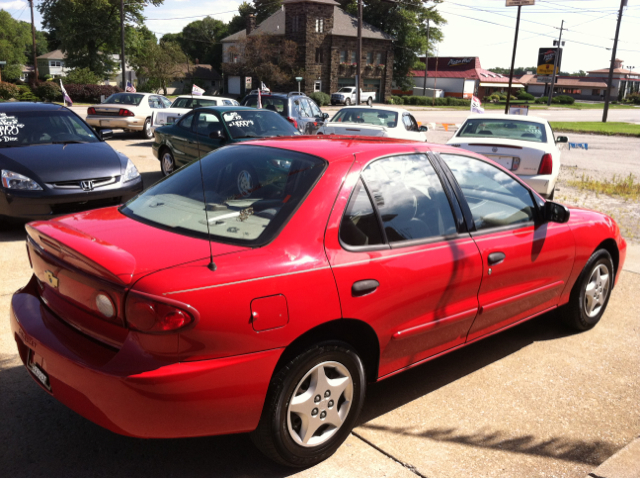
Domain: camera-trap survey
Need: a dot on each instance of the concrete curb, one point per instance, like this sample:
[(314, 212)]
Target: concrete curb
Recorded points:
[(624, 463), (632, 262)]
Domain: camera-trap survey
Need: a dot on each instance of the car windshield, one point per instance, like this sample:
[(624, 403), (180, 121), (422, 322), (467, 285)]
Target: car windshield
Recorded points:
[(273, 103), (346, 90), (193, 103), (25, 128), (504, 128), (245, 194), (257, 124), (367, 115), (125, 99)]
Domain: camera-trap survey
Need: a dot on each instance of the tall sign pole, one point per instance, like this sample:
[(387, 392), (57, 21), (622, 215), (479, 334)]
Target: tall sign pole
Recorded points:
[(359, 59), (33, 37), (426, 61), (555, 66), (607, 97), (513, 60), (124, 80)]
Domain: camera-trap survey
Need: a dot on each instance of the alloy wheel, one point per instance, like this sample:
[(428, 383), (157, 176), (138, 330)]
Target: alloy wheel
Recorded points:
[(245, 183), (597, 290), (167, 163)]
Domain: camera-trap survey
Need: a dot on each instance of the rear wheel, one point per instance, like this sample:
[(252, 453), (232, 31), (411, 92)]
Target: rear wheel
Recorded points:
[(246, 180), (347, 102), (312, 405), (167, 163), (147, 134), (369, 101), (591, 293)]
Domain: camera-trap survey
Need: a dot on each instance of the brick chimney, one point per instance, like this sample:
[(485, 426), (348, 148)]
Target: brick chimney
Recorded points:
[(251, 23)]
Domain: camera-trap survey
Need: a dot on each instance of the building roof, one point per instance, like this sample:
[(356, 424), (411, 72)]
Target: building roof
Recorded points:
[(567, 81), (622, 71), (344, 25), (461, 67), (54, 55), (325, 2)]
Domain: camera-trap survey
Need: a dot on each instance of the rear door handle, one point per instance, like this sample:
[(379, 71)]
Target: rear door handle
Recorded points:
[(496, 258), (366, 286)]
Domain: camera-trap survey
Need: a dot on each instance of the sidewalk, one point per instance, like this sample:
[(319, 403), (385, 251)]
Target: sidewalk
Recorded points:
[(624, 463)]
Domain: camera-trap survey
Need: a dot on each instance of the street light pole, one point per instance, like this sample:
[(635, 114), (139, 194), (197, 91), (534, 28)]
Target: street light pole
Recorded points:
[(513, 61), (607, 98), (359, 59), (124, 81), (33, 37), (555, 66), (426, 61)]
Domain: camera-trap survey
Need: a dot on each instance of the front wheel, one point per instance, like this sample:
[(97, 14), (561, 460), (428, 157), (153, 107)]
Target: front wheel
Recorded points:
[(246, 180), (590, 295), (147, 134), (312, 405), (347, 102), (369, 101), (167, 163)]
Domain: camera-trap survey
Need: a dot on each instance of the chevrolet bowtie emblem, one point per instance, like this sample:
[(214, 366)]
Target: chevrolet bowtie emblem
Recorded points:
[(51, 279)]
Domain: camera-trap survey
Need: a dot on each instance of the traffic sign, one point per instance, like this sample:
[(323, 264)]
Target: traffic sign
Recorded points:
[(543, 79), (518, 3)]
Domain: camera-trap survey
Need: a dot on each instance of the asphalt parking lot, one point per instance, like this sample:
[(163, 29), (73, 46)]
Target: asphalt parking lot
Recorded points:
[(535, 401)]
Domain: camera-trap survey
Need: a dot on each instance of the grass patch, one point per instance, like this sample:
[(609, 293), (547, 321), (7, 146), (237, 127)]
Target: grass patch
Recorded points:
[(612, 128), (626, 187)]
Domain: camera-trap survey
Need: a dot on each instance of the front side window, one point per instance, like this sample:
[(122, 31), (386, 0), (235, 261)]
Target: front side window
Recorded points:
[(186, 122), (315, 111), (499, 128), (249, 212), (409, 196), (206, 123), (359, 225), (273, 103), (370, 116), (24, 128), (495, 198)]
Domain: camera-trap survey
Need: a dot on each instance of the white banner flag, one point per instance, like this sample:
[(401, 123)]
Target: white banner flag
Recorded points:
[(65, 96), (196, 90), (476, 105)]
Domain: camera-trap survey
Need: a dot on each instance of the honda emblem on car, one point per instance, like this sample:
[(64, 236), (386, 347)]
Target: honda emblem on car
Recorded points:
[(87, 185)]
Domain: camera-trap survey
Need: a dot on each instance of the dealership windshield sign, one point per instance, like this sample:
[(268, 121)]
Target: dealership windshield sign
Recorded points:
[(546, 58)]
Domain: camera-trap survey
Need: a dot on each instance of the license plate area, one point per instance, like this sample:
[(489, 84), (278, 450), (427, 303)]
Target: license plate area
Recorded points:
[(506, 161), (105, 123), (34, 365)]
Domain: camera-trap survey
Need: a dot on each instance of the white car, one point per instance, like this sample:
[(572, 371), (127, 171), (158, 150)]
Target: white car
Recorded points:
[(127, 111), (379, 121), (524, 145), (184, 104)]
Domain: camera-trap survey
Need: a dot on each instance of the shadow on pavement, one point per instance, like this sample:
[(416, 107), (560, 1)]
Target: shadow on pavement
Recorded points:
[(12, 230)]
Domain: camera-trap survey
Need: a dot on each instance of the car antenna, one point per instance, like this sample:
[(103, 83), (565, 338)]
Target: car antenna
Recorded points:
[(212, 266)]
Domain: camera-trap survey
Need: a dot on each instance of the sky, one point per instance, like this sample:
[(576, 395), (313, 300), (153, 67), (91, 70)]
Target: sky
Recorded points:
[(482, 28)]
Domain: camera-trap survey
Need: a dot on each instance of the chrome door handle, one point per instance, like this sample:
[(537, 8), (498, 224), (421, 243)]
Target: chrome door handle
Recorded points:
[(496, 258)]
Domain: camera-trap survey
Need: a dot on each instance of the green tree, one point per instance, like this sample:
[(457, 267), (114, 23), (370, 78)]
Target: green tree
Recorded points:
[(13, 38), (239, 21), (89, 30), (159, 63), (201, 40), (265, 8), (516, 71), (82, 76), (406, 21)]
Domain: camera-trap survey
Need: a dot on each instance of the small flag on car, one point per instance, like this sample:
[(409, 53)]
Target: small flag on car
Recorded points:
[(65, 95), (476, 105), (196, 90), (264, 87), (130, 88), (260, 98)]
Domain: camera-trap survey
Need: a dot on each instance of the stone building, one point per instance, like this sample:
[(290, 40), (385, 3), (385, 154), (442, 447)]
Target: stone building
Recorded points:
[(327, 42)]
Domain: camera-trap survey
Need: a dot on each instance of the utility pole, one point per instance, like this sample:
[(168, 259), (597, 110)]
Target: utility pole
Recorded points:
[(607, 97), (124, 80), (426, 60), (513, 61), (33, 36), (555, 65), (359, 52)]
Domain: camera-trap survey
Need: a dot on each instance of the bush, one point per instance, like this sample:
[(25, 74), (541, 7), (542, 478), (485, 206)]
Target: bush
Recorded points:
[(394, 100), (322, 99), (524, 96), (8, 91), (634, 98), (26, 94), (90, 93), (563, 100), (48, 91), (82, 76), (542, 99)]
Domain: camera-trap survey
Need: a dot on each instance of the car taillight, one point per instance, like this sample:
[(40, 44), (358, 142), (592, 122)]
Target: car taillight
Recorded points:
[(91, 111), (124, 112), (293, 121), (148, 314), (546, 165)]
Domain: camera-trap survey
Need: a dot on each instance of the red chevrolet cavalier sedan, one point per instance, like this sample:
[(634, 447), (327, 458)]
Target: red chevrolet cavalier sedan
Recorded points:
[(261, 288)]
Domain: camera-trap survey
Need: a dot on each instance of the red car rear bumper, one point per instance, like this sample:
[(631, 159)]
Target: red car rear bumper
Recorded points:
[(129, 392)]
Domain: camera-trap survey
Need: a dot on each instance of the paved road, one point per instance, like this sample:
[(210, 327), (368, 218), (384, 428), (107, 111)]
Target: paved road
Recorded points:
[(536, 400)]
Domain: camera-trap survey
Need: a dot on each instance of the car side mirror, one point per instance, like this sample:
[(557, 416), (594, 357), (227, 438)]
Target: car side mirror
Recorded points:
[(105, 134), (217, 135), (325, 116), (556, 213), (423, 128), (562, 139)]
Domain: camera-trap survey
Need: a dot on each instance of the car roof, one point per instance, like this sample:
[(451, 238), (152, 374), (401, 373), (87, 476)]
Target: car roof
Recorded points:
[(15, 106), (226, 108), (206, 97), (385, 108), (497, 116)]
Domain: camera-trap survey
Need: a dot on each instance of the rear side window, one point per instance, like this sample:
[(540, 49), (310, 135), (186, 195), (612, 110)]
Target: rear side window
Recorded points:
[(495, 199), (273, 103), (245, 194), (359, 225), (409, 195)]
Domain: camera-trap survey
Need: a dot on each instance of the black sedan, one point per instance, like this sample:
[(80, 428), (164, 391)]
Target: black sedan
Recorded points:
[(52, 162)]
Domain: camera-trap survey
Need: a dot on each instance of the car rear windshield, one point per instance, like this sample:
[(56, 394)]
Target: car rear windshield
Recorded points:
[(257, 124), (125, 99), (499, 128), (43, 127), (245, 194), (370, 116), (193, 103), (273, 103)]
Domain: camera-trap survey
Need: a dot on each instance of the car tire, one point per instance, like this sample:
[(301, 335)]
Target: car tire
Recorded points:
[(369, 101), (347, 102), (329, 383), (553, 193), (147, 134), (245, 180), (167, 162), (590, 295)]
